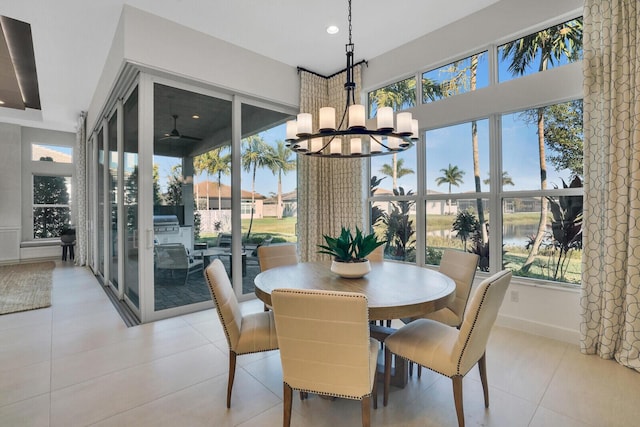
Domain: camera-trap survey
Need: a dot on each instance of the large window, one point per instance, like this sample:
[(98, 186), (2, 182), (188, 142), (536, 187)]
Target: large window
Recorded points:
[(268, 186), (505, 185), (542, 229), (51, 205)]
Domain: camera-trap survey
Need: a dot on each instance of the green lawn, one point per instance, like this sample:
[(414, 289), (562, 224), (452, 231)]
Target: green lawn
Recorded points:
[(281, 230)]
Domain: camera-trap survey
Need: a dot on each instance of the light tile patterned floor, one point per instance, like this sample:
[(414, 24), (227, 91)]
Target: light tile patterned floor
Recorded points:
[(76, 364)]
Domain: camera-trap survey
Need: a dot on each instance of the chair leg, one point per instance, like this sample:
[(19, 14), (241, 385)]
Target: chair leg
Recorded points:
[(374, 392), (410, 369), (482, 367), (419, 371), (387, 375), (366, 411), (232, 373), (457, 397), (288, 402)]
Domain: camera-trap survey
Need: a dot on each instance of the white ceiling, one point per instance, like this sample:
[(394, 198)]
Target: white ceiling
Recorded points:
[(72, 37)]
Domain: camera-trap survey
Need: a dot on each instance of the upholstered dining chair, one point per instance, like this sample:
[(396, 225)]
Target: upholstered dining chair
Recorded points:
[(377, 255), (276, 256), (449, 351), (461, 267), (246, 334), (325, 346)]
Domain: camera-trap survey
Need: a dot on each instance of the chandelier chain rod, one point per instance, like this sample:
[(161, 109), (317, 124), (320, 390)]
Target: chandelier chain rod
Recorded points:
[(360, 141)]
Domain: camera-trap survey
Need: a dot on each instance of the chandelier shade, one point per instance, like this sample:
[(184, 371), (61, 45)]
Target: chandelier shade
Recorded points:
[(351, 137)]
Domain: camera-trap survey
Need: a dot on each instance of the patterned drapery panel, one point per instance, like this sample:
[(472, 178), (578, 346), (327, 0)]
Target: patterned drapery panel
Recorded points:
[(611, 258), (80, 190), (330, 191)]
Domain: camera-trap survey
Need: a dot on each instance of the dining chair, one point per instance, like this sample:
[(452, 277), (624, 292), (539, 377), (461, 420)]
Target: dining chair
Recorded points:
[(449, 351), (461, 267), (325, 347), (377, 255), (276, 256), (251, 333)]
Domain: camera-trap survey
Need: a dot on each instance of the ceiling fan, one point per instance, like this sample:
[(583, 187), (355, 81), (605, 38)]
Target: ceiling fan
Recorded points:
[(174, 134)]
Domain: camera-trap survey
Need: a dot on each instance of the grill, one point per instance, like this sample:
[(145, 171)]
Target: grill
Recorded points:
[(166, 224)]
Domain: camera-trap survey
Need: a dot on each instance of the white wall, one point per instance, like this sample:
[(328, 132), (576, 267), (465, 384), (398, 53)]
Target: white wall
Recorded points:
[(16, 170), (10, 192), (167, 48)]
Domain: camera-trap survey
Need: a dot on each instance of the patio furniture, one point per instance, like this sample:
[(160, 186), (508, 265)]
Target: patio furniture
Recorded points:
[(174, 257)]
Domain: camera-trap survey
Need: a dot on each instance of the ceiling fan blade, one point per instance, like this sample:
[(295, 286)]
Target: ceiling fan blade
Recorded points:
[(175, 134), (191, 138)]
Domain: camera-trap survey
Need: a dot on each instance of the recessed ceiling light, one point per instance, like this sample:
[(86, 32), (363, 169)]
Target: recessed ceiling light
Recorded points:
[(195, 116), (1, 102), (332, 29)]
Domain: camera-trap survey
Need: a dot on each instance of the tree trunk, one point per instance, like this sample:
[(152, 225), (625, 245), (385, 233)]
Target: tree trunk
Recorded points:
[(394, 171), (253, 200), (279, 199), (476, 155), (542, 225), (219, 192), (476, 177)]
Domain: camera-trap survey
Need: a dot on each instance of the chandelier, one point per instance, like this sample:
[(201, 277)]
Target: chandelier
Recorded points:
[(351, 138)]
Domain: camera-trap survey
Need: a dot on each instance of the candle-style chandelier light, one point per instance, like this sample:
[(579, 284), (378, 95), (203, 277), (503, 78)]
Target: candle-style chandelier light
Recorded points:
[(351, 138)]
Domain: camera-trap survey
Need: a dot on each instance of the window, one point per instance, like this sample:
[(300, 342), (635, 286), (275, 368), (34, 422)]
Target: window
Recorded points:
[(51, 205), (542, 227), (505, 185), (400, 96), (51, 153), (457, 77), (546, 49), (453, 218), (245, 207)]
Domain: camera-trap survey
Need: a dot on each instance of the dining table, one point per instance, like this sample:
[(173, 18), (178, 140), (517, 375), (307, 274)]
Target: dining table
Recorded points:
[(394, 290)]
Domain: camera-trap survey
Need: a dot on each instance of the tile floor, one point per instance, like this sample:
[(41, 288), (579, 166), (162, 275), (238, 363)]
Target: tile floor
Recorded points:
[(76, 364)]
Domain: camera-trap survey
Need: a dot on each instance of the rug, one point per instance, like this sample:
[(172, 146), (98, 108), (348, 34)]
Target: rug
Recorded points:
[(25, 286)]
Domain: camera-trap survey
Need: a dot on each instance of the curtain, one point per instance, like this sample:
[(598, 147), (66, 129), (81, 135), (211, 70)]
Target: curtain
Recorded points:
[(80, 190), (610, 301), (330, 191)]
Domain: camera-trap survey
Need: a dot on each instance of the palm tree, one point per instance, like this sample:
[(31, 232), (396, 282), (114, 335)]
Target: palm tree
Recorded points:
[(506, 179), (452, 176), (395, 170), (476, 154), (219, 165), (200, 165), (398, 95), (257, 154), (281, 164), (550, 45)]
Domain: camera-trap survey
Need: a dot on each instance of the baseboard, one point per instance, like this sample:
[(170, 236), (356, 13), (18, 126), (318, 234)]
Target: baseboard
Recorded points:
[(28, 260), (542, 329)]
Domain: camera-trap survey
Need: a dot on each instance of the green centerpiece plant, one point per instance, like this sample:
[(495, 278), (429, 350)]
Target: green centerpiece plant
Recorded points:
[(350, 249)]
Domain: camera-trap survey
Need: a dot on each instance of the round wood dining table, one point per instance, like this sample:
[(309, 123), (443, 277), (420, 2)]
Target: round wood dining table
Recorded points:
[(394, 290)]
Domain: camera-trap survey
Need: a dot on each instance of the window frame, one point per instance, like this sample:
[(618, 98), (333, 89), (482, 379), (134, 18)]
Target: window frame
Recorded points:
[(35, 206), (557, 85)]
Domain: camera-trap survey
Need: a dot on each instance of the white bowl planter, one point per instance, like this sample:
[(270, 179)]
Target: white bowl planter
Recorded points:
[(351, 270)]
